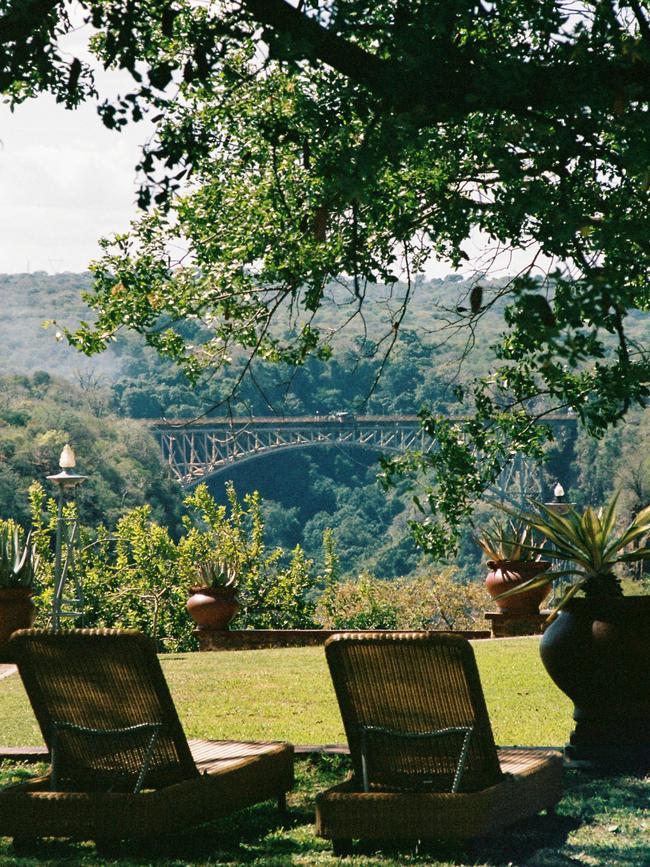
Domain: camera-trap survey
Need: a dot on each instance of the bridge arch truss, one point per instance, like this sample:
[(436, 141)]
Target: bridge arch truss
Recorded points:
[(196, 452)]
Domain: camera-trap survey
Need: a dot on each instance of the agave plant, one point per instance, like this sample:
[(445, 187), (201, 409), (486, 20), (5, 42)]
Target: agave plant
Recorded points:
[(591, 545), (511, 540), (218, 572), (18, 563)]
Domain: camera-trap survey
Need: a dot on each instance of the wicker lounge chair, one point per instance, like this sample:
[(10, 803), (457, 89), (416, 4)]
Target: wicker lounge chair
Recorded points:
[(121, 765), (424, 761)]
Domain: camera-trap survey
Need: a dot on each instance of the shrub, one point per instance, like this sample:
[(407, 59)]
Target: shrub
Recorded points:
[(139, 577), (273, 588), (437, 601), (135, 579)]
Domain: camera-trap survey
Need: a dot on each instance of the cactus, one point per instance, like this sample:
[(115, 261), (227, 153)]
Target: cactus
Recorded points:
[(18, 562)]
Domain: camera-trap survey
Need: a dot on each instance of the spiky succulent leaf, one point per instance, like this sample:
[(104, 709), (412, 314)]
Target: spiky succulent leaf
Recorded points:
[(509, 540), (18, 563), (590, 541)]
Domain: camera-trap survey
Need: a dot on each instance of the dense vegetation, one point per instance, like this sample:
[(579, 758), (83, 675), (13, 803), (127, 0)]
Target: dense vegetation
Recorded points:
[(303, 492), (39, 414), (139, 563), (297, 146)]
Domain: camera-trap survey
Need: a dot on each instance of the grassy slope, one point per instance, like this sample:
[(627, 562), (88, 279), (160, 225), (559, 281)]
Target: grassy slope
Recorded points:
[(286, 694)]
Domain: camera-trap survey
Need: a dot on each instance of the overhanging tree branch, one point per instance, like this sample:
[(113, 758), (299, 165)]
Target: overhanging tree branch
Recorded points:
[(450, 82), (315, 42)]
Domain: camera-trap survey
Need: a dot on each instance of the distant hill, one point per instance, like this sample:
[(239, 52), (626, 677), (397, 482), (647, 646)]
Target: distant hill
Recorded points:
[(26, 300)]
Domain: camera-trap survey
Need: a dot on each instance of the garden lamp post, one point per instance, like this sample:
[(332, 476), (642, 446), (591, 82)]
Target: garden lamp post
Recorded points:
[(67, 481), (559, 506)]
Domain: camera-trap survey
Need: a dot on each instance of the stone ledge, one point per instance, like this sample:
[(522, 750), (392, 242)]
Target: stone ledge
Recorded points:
[(24, 754), (261, 639), (511, 625)]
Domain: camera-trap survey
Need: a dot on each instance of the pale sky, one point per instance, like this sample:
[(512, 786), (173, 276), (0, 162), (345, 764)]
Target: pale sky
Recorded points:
[(65, 181)]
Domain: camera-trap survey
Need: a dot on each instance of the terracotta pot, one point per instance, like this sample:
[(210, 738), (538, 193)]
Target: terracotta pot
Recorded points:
[(506, 574), (212, 607), (597, 652), (17, 611)]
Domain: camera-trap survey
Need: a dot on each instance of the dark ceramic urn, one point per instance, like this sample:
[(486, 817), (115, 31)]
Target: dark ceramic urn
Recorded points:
[(598, 653)]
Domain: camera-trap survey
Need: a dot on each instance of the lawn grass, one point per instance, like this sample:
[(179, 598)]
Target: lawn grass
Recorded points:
[(286, 694)]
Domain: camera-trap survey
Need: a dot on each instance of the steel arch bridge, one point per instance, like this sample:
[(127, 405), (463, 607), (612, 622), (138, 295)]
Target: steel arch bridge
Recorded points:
[(197, 451)]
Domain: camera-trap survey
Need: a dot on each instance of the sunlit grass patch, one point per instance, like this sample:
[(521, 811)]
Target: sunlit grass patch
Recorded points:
[(286, 694)]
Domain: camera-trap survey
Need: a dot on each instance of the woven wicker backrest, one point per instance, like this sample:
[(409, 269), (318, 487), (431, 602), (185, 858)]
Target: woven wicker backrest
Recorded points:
[(87, 683), (413, 682)]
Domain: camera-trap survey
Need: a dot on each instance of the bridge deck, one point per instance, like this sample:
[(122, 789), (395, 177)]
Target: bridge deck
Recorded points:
[(196, 450)]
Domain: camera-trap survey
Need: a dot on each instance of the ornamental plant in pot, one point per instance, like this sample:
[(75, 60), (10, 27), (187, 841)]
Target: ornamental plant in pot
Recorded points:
[(213, 602), (513, 560), (18, 568), (597, 647)]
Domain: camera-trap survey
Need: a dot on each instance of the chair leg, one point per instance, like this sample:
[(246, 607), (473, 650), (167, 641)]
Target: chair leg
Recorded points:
[(282, 802), (342, 847)]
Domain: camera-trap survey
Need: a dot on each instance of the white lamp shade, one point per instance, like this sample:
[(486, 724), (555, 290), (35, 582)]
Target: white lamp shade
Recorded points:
[(558, 491), (67, 460)]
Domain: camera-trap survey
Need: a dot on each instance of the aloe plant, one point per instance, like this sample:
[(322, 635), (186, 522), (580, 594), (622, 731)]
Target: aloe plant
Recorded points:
[(591, 545), (18, 562), (503, 541), (218, 572)]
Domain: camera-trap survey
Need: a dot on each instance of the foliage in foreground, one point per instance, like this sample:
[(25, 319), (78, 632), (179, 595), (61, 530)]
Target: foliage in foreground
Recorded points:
[(138, 576), (588, 547), (299, 144), (341, 156)]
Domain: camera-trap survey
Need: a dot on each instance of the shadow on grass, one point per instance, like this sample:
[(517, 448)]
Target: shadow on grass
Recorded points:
[(600, 821)]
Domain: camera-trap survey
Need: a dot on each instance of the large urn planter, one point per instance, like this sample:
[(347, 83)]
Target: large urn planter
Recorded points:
[(17, 611), (212, 607), (598, 653), (505, 575)]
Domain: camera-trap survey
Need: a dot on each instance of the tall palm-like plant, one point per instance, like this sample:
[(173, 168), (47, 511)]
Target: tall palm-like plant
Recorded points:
[(590, 543)]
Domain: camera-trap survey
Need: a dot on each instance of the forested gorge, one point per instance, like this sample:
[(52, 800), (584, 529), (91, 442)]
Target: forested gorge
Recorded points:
[(51, 394)]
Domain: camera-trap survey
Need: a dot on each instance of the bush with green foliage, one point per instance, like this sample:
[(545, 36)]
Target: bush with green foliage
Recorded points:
[(273, 588), (137, 576), (431, 601)]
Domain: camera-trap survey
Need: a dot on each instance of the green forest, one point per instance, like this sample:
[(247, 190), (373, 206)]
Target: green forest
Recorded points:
[(51, 394)]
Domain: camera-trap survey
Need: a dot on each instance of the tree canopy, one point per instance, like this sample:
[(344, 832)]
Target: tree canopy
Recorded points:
[(304, 144)]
